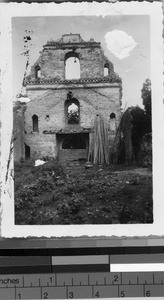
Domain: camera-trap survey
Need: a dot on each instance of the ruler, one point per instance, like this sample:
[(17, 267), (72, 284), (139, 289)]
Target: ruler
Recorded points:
[(82, 285)]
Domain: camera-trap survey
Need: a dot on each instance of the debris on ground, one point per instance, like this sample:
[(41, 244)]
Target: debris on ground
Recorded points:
[(73, 194)]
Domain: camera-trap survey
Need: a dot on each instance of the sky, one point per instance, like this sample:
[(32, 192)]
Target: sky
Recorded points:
[(125, 40)]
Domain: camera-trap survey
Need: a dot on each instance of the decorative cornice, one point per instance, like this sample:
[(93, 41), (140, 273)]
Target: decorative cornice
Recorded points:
[(68, 131), (113, 78)]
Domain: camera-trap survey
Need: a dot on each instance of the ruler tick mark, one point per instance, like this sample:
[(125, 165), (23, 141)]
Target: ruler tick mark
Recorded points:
[(15, 292), (67, 291), (92, 292), (55, 279), (88, 280)]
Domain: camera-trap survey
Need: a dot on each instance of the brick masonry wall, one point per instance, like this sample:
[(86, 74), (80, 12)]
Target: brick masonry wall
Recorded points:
[(101, 98), (41, 145), (18, 124), (92, 101), (52, 63)]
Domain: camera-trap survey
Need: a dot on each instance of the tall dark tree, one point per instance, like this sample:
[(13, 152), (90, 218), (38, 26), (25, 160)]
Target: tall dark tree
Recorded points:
[(146, 96), (138, 129)]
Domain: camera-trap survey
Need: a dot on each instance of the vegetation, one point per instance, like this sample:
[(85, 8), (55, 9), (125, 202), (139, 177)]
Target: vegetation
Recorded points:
[(133, 138), (101, 193), (111, 194), (146, 96)]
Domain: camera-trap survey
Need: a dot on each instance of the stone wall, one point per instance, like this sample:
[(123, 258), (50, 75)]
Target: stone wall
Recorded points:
[(52, 59), (52, 63), (18, 125), (41, 145), (48, 93), (51, 103)]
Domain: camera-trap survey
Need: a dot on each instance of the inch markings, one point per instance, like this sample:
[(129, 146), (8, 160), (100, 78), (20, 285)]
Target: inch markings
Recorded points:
[(82, 285)]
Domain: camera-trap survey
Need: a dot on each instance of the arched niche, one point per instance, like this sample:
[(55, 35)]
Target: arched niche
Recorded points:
[(37, 72), (106, 69), (112, 122), (35, 123)]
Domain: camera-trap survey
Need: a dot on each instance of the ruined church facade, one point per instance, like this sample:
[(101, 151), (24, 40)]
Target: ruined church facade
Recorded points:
[(59, 117)]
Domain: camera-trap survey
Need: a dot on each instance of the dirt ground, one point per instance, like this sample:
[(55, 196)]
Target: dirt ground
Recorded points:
[(76, 193)]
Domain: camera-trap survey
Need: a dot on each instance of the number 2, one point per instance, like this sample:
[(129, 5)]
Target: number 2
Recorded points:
[(45, 296), (115, 278)]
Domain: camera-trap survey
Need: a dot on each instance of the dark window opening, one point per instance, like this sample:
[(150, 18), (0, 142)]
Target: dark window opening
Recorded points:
[(74, 141), (37, 72), (112, 122), (27, 151), (108, 68), (47, 117), (35, 123), (72, 66), (112, 116)]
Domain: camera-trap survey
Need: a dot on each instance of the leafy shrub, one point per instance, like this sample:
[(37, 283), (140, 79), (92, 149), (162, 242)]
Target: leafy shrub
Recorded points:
[(70, 208)]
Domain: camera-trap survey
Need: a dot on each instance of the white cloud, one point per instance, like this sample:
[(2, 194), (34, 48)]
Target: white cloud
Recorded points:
[(119, 43)]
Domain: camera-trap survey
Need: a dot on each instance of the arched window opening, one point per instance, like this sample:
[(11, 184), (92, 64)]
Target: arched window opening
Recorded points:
[(112, 122), (35, 123), (74, 141), (106, 70), (37, 72), (73, 114), (27, 151), (72, 66), (72, 111)]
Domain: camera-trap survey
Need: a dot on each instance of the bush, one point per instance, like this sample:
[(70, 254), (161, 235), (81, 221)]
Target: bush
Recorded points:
[(145, 153), (70, 208)]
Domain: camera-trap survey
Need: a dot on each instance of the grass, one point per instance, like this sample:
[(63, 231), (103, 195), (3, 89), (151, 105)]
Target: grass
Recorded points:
[(109, 194)]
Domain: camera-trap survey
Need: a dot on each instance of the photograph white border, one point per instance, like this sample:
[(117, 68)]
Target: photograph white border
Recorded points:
[(7, 11)]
